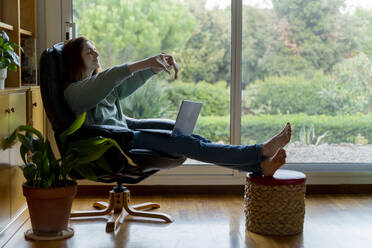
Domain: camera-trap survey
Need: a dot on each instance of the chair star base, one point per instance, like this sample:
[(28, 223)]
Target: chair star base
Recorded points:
[(119, 200)]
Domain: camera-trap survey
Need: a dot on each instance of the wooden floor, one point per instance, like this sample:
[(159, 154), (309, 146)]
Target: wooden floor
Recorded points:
[(218, 221)]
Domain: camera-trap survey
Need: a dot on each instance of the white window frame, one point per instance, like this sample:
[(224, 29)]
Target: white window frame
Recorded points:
[(52, 18)]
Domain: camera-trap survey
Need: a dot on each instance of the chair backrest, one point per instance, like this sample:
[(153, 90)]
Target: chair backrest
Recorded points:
[(52, 69)]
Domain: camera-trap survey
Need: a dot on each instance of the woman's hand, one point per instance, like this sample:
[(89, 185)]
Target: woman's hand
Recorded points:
[(158, 63), (163, 62)]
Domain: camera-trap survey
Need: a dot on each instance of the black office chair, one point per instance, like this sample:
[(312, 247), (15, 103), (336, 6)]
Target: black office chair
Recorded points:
[(52, 69)]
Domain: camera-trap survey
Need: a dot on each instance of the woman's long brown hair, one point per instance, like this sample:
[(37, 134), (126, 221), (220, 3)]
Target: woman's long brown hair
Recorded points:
[(74, 63)]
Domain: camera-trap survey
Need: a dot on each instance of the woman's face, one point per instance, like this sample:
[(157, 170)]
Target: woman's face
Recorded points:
[(90, 56)]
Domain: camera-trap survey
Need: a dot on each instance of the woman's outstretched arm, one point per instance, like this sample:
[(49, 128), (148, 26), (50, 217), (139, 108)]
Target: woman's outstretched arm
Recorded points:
[(87, 93), (143, 70)]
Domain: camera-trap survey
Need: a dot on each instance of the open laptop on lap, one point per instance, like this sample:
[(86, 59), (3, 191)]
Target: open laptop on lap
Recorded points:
[(185, 122)]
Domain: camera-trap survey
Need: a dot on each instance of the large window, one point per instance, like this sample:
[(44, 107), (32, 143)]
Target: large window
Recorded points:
[(303, 61), (197, 33), (309, 62)]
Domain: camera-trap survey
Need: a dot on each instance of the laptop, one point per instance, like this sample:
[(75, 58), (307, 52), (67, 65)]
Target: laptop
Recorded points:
[(185, 122)]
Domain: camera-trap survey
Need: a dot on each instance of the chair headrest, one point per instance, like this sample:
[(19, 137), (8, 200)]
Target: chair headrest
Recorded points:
[(52, 71)]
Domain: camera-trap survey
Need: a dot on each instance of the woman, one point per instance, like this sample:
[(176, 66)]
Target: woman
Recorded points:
[(98, 94)]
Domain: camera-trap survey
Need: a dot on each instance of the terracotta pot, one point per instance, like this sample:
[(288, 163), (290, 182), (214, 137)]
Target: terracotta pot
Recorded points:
[(49, 208)]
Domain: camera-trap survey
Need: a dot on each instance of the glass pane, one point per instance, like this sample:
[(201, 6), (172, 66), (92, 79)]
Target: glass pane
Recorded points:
[(196, 32), (309, 62)]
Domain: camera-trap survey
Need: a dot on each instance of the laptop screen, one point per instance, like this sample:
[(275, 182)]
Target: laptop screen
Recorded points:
[(187, 117)]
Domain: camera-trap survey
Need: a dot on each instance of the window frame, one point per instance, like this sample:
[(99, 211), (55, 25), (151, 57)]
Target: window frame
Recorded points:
[(201, 173)]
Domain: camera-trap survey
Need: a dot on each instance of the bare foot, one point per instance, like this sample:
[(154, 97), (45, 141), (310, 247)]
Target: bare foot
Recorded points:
[(272, 146), (270, 165)]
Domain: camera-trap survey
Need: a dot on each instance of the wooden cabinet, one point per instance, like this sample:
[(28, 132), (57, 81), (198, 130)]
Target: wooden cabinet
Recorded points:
[(20, 104), (35, 109), (18, 20), (12, 114), (17, 116)]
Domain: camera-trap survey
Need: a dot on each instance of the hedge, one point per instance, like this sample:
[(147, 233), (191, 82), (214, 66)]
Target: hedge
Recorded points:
[(254, 129), (291, 95), (215, 97)]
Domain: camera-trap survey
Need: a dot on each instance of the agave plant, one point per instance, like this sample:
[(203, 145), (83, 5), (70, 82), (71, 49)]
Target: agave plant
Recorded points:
[(42, 169), (308, 137)]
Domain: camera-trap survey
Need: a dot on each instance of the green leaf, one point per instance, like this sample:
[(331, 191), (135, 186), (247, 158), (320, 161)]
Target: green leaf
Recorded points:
[(10, 140), (29, 171), (86, 171), (23, 151), (27, 142), (93, 148), (44, 171), (12, 67), (37, 158), (67, 166), (74, 127), (15, 58), (8, 48), (102, 163), (4, 36), (130, 161), (52, 159), (29, 128), (38, 144)]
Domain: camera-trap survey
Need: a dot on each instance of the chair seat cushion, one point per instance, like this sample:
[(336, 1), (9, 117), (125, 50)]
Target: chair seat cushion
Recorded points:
[(152, 160), (281, 177)]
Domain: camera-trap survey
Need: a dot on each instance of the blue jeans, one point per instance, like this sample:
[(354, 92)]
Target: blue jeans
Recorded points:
[(240, 157)]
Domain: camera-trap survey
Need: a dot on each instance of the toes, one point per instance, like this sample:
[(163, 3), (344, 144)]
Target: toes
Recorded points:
[(281, 156), (281, 153)]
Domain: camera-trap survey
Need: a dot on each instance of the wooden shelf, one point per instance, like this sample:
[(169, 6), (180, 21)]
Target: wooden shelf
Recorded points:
[(6, 26), (28, 84), (25, 32), (18, 19)]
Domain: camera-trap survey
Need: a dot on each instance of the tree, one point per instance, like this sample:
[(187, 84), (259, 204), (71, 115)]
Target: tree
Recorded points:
[(317, 31), (365, 23), (257, 38), (206, 56), (125, 30), (350, 85)]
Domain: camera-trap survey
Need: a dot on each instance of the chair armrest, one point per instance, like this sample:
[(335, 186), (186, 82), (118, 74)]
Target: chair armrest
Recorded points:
[(134, 124)]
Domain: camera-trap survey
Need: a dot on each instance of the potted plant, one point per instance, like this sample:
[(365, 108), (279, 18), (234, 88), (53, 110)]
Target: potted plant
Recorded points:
[(8, 57), (48, 190)]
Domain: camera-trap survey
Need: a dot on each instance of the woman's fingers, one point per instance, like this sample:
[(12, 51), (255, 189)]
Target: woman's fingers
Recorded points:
[(171, 61), (163, 64)]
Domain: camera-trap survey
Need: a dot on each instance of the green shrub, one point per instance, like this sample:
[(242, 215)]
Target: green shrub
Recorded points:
[(288, 95), (341, 129), (350, 86), (215, 97), (149, 101)]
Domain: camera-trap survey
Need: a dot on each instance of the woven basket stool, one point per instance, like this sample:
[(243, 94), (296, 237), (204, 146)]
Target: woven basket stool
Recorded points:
[(275, 205)]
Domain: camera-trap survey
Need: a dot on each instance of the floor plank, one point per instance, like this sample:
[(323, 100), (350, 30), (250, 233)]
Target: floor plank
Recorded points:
[(218, 221)]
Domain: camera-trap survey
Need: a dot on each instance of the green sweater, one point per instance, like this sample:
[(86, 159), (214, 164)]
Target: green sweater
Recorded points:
[(100, 94)]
